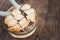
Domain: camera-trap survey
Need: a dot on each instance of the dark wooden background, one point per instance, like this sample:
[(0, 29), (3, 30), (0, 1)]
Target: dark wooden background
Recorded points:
[(49, 19)]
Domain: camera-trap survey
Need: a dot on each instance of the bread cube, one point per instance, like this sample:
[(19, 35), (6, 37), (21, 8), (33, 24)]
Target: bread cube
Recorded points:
[(31, 17), (8, 19), (11, 22), (15, 28), (19, 17), (30, 11), (24, 23), (15, 12)]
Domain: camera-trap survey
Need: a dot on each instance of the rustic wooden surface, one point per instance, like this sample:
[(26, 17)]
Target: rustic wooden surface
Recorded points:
[(49, 21)]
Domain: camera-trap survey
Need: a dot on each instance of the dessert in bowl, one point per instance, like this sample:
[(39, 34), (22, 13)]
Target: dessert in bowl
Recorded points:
[(21, 23)]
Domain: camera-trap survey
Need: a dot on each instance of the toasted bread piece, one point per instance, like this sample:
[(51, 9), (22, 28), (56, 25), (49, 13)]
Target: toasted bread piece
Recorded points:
[(10, 21), (8, 18), (24, 23), (15, 12), (31, 17), (30, 11), (15, 28), (25, 7), (19, 17)]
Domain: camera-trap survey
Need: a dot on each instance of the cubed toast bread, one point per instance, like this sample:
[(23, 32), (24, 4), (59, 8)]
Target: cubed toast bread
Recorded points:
[(16, 21)]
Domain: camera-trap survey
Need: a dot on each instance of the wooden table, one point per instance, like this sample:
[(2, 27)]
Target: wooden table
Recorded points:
[(48, 27)]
